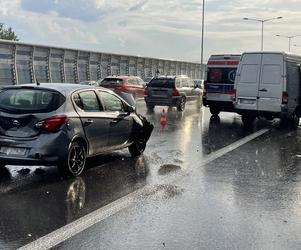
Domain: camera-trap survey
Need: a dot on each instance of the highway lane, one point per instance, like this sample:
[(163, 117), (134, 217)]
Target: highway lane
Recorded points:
[(34, 203)]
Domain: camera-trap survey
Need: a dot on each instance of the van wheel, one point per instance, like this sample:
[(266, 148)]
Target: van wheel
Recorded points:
[(76, 160), (214, 111), (138, 147), (181, 104), (248, 120)]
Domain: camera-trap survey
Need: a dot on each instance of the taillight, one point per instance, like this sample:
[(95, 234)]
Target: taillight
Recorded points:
[(284, 97), (233, 97), (52, 124), (205, 85), (175, 92)]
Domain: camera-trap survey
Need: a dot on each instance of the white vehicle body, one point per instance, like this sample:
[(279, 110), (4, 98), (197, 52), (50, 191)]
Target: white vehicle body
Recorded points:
[(219, 85), (268, 84)]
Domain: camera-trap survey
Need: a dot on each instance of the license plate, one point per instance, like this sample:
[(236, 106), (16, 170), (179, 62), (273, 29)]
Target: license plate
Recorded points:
[(12, 151), (247, 101), (158, 92)]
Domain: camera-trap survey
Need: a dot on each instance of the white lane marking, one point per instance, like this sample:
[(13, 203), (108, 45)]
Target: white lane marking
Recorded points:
[(66, 232)]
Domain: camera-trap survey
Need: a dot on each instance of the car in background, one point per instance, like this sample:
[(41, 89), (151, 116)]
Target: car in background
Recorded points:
[(173, 91), (64, 124), (128, 84), (88, 82)]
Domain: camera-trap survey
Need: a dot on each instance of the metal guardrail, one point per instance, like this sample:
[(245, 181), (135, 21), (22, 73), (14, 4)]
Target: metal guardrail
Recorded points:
[(27, 63)]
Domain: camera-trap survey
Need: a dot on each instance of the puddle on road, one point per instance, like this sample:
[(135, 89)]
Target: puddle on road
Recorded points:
[(168, 168)]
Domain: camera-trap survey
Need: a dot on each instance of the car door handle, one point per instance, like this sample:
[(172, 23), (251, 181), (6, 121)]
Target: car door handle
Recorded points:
[(88, 122), (115, 121), (263, 90)]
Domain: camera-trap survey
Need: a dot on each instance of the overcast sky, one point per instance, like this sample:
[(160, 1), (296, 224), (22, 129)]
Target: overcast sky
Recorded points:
[(154, 28)]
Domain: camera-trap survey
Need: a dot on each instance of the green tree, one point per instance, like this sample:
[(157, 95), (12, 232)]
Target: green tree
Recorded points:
[(7, 33)]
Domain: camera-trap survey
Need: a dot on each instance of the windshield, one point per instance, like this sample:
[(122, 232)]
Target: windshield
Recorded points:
[(162, 83), (30, 100), (111, 82)]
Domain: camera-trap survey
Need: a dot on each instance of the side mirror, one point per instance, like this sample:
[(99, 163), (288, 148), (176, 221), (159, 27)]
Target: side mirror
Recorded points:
[(131, 109)]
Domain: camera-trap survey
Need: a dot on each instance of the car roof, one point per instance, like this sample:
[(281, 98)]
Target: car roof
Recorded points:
[(121, 77), (61, 87)]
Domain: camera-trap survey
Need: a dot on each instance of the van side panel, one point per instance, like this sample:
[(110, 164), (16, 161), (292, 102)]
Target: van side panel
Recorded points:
[(247, 82), (293, 85), (271, 83)]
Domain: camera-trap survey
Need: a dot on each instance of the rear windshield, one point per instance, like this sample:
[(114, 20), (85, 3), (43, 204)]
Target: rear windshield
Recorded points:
[(221, 75), (24, 101), (162, 83), (111, 82)]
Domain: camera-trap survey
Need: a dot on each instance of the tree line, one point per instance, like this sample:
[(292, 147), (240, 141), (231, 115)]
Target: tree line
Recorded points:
[(7, 33)]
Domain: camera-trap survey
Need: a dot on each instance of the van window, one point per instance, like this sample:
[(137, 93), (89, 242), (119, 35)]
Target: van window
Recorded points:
[(271, 74), (249, 73), (221, 75)]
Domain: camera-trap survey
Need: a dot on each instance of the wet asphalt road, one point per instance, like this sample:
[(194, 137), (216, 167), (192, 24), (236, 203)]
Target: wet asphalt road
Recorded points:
[(246, 199)]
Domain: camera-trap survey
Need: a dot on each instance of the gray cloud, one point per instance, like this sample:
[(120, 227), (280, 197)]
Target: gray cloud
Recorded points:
[(138, 6), (85, 10)]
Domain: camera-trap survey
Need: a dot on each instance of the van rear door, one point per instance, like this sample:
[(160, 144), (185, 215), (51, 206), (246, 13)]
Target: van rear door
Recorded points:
[(247, 81), (271, 83)]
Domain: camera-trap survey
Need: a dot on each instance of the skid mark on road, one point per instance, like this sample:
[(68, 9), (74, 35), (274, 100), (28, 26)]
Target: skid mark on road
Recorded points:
[(66, 232)]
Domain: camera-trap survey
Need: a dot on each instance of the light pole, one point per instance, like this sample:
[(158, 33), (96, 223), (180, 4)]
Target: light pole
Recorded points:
[(202, 43), (289, 40), (262, 22)]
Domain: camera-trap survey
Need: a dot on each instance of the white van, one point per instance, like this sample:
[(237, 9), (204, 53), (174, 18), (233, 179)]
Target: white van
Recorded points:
[(267, 85), (219, 84)]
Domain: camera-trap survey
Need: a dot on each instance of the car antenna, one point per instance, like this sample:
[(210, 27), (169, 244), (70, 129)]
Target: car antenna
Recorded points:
[(38, 84)]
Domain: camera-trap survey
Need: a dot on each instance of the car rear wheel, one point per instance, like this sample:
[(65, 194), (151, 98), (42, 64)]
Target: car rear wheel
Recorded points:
[(75, 163), (138, 147), (214, 111), (181, 104)]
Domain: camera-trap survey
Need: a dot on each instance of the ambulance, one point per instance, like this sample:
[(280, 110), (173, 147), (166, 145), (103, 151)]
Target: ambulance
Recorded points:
[(219, 92)]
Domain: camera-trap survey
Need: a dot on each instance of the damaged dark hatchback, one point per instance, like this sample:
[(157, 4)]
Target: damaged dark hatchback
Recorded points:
[(64, 124)]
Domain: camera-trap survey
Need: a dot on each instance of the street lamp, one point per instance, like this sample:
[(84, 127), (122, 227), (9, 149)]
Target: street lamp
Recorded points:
[(262, 22), (289, 40), (202, 43)]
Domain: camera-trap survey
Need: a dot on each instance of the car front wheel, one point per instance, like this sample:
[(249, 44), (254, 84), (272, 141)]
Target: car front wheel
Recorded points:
[(138, 147), (75, 163), (181, 105)]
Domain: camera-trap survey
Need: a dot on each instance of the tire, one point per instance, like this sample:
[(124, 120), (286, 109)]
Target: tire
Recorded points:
[(138, 147), (214, 111), (181, 104), (76, 160), (291, 123), (248, 120)]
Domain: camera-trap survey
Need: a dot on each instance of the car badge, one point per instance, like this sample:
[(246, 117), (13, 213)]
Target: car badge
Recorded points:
[(16, 123)]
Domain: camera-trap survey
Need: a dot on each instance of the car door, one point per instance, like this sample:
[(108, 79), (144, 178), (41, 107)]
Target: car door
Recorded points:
[(271, 81), (193, 93), (247, 81), (120, 123), (94, 121)]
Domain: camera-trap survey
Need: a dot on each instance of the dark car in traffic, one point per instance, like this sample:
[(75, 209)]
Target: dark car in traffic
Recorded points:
[(128, 84), (64, 124), (173, 91)]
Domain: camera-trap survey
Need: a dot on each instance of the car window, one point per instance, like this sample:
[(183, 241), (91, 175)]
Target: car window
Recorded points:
[(111, 102), (132, 81), (185, 82), (178, 83), (190, 83), (87, 101), (30, 100), (140, 82), (162, 83)]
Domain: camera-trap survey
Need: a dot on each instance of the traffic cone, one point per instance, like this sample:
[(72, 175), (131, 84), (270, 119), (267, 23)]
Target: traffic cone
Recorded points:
[(163, 121)]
